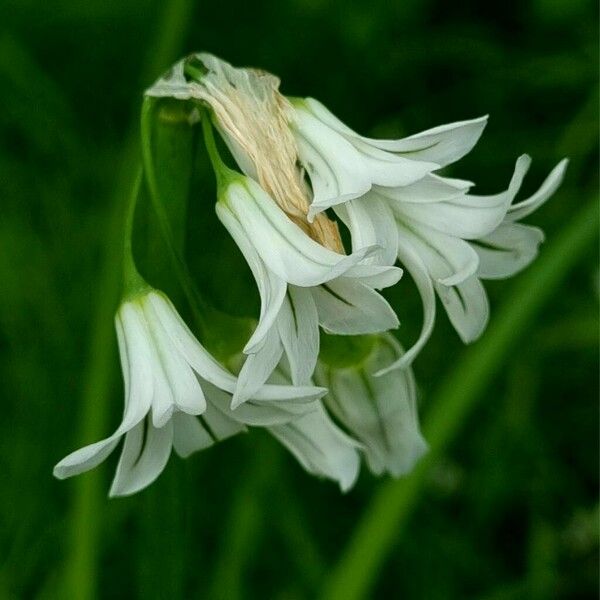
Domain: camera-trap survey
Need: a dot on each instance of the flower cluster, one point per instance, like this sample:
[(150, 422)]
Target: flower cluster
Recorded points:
[(303, 178)]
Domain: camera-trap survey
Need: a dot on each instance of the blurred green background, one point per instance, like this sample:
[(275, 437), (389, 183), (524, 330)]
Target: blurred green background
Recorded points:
[(506, 507)]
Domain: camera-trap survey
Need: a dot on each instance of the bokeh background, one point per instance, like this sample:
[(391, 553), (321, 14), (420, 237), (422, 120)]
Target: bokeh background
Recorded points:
[(506, 509)]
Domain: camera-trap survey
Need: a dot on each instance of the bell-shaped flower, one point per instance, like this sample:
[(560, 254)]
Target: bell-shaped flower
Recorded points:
[(343, 165), (379, 411), (173, 397), (302, 285), (449, 239)]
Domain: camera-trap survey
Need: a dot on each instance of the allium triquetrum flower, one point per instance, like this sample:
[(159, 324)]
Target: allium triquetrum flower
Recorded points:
[(449, 239), (176, 395), (379, 411), (303, 275)]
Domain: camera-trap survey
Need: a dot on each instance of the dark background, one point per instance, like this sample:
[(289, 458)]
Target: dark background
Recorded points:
[(510, 511)]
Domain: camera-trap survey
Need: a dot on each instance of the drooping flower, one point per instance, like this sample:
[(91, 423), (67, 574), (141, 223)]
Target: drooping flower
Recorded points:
[(379, 411), (449, 239), (303, 275), (176, 396), (302, 285), (343, 165)]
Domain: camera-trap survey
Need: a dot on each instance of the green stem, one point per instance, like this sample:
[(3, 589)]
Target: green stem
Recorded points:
[(201, 309), (133, 282), (81, 575), (382, 522), (222, 172)]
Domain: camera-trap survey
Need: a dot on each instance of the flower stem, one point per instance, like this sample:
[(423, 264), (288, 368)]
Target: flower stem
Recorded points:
[(133, 282), (222, 172)]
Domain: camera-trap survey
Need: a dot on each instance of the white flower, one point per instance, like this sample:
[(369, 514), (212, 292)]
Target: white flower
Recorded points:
[(343, 165), (176, 395), (380, 411), (449, 239), (302, 285)]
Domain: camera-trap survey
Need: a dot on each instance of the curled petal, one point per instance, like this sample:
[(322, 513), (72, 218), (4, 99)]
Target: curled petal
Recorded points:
[(145, 454), (343, 165), (468, 216), (449, 260), (443, 145), (467, 306), (410, 258), (137, 373), (508, 250), (524, 208)]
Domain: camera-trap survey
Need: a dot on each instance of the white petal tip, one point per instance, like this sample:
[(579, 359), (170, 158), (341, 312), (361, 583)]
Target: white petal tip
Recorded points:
[(60, 471), (313, 211), (160, 419), (237, 400), (403, 363), (319, 392)]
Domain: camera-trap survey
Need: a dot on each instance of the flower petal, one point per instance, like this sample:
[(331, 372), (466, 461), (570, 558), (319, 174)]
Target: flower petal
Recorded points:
[(380, 411), (177, 377), (282, 245), (335, 167), (186, 343), (321, 447), (508, 250), (443, 145), (448, 259), (145, 454), (256, 413), (85, 458), (298, 327), (257, 368), (137, 375), (432, 188), (374, 276), (414, 264), (189, 436), (271, 288), (343, 165), (296, 393), (348, 307), (469, 216), (524, 208), (467, 307), (371, 223)]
